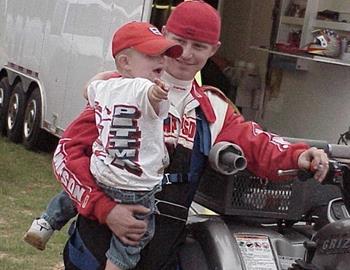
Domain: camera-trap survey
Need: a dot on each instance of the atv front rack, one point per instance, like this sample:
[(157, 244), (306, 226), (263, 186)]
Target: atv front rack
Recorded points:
[(243, 194)]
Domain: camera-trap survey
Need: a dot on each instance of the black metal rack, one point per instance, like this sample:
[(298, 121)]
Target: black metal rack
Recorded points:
[(244, 194)]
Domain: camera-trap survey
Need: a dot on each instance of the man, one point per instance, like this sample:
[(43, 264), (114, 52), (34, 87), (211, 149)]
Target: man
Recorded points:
[(198, 118)]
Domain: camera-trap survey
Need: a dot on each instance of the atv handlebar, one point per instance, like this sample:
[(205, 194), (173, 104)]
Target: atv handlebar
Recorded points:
[(332, 150), (338, 174), (334, 176)]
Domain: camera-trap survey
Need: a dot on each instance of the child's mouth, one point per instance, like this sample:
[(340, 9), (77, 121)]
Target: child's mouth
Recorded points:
[(158, 70)]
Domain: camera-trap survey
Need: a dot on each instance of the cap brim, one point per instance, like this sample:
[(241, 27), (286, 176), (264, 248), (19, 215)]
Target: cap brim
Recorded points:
[(159, 46)]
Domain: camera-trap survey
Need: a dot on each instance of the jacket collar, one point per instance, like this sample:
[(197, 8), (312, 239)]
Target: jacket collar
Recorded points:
[(198, 93)]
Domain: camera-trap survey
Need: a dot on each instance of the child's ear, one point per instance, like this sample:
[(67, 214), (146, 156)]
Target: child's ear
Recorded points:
[(122, 61)]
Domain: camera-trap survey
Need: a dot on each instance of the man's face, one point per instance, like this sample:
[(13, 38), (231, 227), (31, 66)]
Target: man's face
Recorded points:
[(195, 55)]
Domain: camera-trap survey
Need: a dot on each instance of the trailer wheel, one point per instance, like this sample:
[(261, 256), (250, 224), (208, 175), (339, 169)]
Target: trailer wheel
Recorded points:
[(4, 101), (32, 132), (15, 114)]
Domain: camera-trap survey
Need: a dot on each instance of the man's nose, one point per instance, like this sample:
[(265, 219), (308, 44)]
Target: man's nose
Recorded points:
[(187, 52)]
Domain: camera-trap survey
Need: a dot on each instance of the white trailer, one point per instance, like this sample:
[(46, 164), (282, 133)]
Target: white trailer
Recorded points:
[(48, 50)]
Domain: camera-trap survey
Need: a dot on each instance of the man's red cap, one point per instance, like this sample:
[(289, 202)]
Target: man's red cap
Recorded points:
[(145, 38), (195, 20)]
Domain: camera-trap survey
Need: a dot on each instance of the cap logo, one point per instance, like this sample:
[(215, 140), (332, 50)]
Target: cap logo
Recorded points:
[(155, 31)]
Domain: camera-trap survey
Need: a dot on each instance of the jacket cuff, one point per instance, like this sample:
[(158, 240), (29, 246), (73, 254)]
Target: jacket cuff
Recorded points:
[(102, 208), (296, 155)]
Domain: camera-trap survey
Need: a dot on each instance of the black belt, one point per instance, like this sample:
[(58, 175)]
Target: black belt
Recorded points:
[(171, 210), (174, 178)]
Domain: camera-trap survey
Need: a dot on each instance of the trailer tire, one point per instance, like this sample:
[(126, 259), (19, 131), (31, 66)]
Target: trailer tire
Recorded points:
[(15, 113), (33, 135), (4, 101)]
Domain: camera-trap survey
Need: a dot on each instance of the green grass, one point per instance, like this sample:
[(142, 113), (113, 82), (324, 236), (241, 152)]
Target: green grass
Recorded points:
[(26, 186)]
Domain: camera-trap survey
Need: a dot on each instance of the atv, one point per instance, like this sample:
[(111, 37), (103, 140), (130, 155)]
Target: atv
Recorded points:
[(255, 224)]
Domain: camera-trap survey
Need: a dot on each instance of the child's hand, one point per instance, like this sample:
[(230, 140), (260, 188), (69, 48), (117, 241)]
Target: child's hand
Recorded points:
[(157, 93), (160, 83)]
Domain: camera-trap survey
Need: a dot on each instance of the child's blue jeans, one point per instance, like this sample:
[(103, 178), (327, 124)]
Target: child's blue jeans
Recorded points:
[(59, 210), (121, 255)]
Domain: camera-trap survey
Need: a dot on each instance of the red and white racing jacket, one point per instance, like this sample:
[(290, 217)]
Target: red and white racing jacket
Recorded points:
[(265, 152)]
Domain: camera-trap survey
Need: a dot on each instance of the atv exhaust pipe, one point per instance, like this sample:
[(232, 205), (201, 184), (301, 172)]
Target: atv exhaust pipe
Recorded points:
[(227, 158)]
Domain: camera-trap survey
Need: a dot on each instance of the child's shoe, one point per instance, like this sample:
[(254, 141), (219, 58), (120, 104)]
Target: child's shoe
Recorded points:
[(39, 233)]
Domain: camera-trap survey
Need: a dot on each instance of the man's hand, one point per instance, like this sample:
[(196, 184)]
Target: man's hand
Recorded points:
[(315, 160), (105, 75), (122, 222)]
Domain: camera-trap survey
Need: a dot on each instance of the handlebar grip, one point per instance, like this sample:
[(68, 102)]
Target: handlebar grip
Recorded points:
[(304, 175)]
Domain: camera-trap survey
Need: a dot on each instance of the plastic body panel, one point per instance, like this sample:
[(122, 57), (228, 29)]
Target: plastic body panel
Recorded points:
[(216, 237), (333, 246)]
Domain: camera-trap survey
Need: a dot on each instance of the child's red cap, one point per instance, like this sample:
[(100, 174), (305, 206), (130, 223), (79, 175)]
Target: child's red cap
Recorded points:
[(145, 38)]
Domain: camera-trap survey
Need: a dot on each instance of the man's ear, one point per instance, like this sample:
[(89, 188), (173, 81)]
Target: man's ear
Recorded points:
[(164, 31), (215, 48)]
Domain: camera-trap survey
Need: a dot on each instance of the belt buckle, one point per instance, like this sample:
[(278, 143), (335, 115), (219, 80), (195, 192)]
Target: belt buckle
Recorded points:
[(167, 182)]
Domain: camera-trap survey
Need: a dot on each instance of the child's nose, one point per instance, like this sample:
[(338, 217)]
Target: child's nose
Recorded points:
[(161, 58)]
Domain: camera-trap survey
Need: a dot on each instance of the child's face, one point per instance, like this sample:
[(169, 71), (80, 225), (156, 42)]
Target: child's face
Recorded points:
[(144, 66)]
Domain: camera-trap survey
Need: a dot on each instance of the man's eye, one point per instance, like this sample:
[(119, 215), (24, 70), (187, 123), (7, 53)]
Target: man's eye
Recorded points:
[(199, 46)]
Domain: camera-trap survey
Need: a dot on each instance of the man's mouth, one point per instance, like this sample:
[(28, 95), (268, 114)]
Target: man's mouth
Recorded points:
[(181, 62)]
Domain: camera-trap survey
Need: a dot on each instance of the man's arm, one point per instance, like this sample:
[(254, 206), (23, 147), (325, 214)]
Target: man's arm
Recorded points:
[(266, 152), (105, 75), (71, 164)]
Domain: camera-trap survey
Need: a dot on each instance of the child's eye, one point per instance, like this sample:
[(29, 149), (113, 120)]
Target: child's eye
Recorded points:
[(180, 41)]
